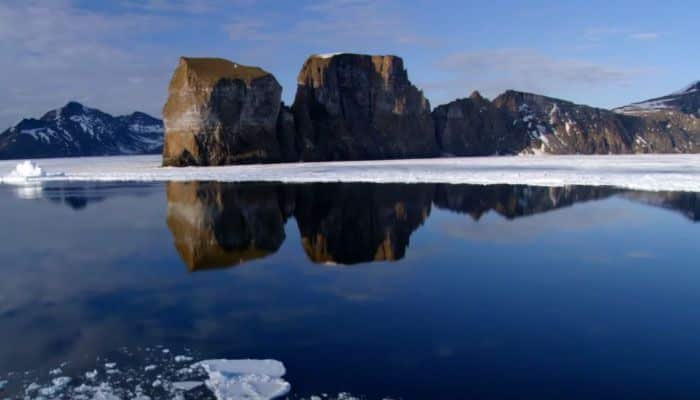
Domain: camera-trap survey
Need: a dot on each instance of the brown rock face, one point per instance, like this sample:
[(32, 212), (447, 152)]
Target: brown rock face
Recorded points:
[(359, 107), (219, 112)]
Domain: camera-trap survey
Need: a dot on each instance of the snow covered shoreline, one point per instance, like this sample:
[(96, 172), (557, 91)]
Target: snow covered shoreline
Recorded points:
[(639, 172)]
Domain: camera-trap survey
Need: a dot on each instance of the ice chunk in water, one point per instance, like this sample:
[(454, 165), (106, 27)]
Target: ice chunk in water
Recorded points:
[(26, 172), (245, 379)]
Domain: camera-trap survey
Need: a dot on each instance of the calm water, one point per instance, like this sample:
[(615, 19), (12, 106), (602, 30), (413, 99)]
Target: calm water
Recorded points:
[(401, 291)]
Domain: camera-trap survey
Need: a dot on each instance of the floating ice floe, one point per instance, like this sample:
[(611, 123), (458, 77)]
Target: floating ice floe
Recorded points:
[(26, 172), (160, 378), (245, 379)]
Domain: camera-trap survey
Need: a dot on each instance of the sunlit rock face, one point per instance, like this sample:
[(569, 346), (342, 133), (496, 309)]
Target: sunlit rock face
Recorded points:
[(350, 224), (360, 107), (219, 112), (220, 225)]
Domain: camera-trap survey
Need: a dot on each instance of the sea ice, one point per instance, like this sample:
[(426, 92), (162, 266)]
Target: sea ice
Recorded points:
[(669, 172), (245, 379), (186, 385)]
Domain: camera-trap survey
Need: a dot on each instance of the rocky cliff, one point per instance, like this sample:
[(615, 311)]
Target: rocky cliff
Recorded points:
[(219, 112), (75, 131), (360, 107), (476, 127), (526, 123)]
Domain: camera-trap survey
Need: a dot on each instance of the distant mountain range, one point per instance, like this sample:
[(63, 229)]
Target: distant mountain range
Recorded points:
[(686, 100), (75, 130)]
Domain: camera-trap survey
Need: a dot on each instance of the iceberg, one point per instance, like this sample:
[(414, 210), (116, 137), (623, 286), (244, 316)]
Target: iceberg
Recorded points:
[(26, 172)]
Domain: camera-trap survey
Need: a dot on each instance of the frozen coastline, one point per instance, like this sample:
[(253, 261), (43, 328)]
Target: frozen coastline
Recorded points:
[(639, 172)]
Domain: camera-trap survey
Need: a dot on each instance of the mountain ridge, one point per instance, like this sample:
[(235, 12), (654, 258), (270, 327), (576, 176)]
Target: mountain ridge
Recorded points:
[(76, 130)]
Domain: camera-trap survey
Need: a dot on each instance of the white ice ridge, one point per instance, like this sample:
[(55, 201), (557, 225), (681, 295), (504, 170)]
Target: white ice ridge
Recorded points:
[(676, 172), (245, 379)]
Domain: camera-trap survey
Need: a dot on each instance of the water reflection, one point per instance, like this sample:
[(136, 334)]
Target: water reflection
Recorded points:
[(77, 195), (218, 224), (350, 224)]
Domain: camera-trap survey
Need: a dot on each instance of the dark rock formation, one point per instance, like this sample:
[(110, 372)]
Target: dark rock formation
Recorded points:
[(222, 224), (76, 131), (360, 107), (476, 127), (219, 112), (560, 127), (286, 135), (357, 223), (517, 122)]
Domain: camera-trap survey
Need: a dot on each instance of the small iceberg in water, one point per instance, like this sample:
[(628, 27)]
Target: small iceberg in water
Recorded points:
[(245, 379), (27, 172)]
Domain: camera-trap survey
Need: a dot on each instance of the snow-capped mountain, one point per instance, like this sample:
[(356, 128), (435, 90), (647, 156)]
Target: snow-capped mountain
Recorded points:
[(686, 100), (75, 130)]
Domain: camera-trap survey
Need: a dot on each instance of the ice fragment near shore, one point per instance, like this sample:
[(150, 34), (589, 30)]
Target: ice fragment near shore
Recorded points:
[(245, 379)]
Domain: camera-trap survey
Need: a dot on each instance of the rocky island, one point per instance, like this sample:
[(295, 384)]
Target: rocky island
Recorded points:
[(364, 107), (219, 112)]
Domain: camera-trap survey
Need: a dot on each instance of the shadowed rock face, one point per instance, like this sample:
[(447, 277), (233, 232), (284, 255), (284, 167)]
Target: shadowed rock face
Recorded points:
[(360, 107), (219, 113), (517, 122), (350, 224), (561, 127), (476, 127), (219, 225)]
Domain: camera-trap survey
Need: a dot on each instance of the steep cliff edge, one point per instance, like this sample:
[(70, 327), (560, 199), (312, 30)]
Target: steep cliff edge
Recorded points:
[(219, 112), (360, 107)]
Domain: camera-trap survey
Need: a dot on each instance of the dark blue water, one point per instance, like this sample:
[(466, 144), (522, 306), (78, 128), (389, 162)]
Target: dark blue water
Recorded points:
[(401, 291)]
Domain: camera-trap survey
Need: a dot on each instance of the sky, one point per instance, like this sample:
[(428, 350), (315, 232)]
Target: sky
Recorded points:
[(118, 55)]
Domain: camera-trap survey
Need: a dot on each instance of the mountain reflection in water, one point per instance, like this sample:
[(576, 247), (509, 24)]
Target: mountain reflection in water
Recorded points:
[(218, 224)]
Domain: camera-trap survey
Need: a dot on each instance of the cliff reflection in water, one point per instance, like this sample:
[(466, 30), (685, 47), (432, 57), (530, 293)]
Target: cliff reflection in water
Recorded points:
[(218, 225)]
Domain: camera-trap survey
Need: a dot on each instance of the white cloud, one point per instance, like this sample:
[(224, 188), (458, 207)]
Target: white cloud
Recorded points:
[(644, 36), (332, 22), (173, 6), (599, 34), (54, 52), (494, 71)]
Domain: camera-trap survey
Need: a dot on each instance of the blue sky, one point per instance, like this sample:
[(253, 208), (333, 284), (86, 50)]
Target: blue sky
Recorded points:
[(118, 55)]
